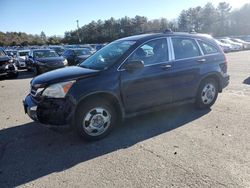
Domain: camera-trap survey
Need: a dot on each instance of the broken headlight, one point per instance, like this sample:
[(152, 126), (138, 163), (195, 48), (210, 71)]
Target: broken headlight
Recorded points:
[(58, 90)]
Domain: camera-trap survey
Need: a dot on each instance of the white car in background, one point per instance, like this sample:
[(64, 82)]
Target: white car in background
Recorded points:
[(246, 45), (226, 47), (235, 45), (22, 55)]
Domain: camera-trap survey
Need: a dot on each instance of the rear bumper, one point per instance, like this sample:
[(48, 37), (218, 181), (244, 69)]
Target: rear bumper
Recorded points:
[(225, 81), (52, 112)]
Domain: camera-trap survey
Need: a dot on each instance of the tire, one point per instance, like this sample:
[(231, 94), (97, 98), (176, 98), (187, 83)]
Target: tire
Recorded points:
[(207, 93), (99, 111)]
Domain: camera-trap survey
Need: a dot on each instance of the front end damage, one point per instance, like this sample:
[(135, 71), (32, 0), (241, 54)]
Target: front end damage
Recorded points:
[(52, 112)]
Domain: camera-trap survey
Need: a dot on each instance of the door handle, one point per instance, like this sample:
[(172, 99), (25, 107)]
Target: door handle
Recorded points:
[(166, 66), (201, 60)]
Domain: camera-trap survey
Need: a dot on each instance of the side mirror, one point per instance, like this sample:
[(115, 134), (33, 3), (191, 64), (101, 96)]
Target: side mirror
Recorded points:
[(133, 65), (30, 57)]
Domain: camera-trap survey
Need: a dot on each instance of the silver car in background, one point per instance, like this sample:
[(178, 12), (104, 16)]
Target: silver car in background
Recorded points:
[(22, 58), (235, 45)]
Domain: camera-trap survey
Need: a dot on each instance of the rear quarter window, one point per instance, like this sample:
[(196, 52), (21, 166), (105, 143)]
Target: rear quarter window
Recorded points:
[(207, 48)]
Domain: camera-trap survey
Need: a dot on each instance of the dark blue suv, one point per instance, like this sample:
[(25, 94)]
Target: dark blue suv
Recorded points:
[(128, 77)]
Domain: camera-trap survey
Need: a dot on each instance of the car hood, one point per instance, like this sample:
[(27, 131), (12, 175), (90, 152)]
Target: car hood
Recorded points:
[(63, 74), (50, 59)]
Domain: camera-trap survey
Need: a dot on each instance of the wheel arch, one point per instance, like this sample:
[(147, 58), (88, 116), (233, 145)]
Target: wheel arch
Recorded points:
[(214, 76), (107, 96)]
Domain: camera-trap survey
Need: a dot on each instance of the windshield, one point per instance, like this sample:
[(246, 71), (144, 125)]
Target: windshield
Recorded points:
[(108, 55), (45, 53), (82, 52), (23, 53)]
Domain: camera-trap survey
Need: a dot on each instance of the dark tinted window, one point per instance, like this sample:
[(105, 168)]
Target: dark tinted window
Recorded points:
[(207, 48), (45, 54), (185, 48), (23, 53), (152, 52)]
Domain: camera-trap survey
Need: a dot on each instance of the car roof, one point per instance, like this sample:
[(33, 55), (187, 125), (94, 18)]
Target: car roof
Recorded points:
[(73, 49), (36, 50), (145, 37), (23, 50)]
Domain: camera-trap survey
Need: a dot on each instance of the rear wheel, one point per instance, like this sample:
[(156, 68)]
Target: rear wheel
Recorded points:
[(95, 119), (207, 93)]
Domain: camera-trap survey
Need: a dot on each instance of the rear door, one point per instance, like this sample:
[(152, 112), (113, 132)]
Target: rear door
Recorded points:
[(149, 86), (188, 61)]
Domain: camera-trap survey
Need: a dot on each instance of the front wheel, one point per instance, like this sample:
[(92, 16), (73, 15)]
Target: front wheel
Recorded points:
[(95, 119), (207, 93)]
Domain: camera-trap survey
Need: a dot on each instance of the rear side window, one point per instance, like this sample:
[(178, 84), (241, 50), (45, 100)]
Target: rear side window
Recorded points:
[(207, 48), (185, 48)]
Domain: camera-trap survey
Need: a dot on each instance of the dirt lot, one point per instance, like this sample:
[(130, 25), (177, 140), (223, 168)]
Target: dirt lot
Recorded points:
[(181, 147)]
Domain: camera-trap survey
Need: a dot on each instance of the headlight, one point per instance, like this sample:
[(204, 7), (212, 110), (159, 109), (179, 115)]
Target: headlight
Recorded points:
[(58, 90), (11, 61), (65, 62)]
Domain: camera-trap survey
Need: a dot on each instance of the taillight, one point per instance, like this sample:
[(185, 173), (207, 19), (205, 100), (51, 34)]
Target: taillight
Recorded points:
[(225, 58), (223, 65)]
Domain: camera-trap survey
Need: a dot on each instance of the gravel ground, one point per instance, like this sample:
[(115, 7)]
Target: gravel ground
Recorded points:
[(181, 147)]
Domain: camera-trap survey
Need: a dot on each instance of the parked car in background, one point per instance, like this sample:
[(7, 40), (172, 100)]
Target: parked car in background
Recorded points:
[(226, 47), (13, 55), (89, 47), (57, 49), (76, 55), (235, 45), (44, 60), (22, 58), (99, 46), (7, 66), (244, 38), (128, 77), (246, 45)]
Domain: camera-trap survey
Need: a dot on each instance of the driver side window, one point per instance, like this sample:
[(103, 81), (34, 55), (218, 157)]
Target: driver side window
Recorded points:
[(152, 52)]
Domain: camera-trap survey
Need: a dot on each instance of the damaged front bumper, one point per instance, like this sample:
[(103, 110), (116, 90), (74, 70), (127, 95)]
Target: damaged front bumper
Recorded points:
[(52, 112)]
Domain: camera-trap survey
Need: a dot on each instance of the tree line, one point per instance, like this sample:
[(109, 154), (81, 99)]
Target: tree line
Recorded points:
[(217, 21), (24, 39)]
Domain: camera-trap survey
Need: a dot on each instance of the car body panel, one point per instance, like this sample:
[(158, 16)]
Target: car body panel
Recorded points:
[(141, 89)]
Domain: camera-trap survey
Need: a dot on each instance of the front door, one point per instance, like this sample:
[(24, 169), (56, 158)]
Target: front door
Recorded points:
[(149, 86)]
